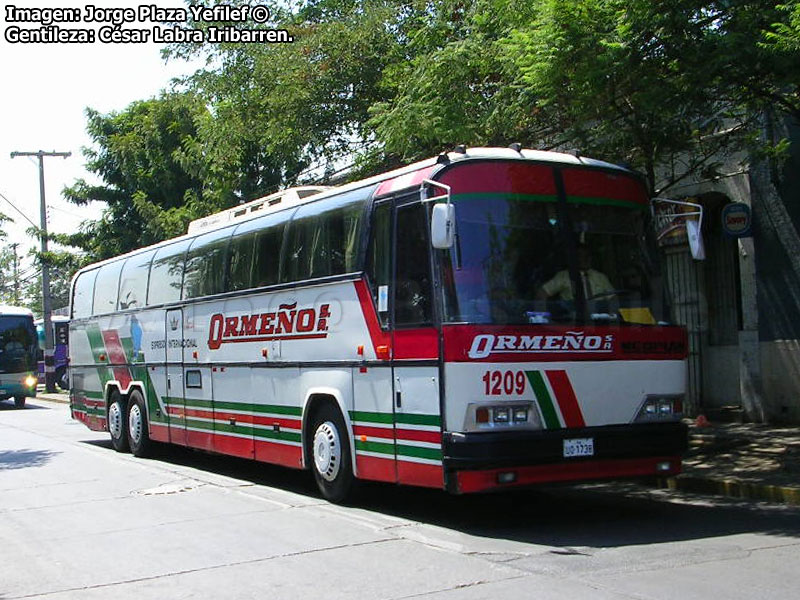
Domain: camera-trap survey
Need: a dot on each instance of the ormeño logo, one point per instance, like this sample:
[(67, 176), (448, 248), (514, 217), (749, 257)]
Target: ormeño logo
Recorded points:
[(486, 344), (287, 323)]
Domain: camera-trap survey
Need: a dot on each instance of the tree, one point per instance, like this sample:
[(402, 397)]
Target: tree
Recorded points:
[(454, 84), (63, 265), (282, 110), (155, 177), (7, 276)]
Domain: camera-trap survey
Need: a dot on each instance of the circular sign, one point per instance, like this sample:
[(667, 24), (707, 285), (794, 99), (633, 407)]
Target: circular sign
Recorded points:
[(736, 219)]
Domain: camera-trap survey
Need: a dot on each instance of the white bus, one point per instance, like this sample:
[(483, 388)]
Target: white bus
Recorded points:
[(431, 326)]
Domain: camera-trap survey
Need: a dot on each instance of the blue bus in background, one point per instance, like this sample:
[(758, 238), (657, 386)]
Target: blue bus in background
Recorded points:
[(60, 351), (18, 354)]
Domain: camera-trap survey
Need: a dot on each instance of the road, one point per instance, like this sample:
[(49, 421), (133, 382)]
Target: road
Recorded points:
[(78, 520)]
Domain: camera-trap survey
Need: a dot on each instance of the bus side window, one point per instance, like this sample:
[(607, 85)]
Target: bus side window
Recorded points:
[(323, 237), (133, 281), (166, 274), (204, 273), (413, 288), (267, 255), (240, 262), (83, 294), (106, 288), (379, 259)]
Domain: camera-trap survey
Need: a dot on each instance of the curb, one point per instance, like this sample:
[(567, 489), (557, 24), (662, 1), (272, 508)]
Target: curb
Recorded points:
[(60, 398), (734, 488)]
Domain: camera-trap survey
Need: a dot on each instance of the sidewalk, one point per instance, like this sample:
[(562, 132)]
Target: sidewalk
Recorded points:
[(756, 462)]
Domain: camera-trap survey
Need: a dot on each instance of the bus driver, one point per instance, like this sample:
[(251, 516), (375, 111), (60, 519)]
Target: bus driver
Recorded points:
[(595, 284)]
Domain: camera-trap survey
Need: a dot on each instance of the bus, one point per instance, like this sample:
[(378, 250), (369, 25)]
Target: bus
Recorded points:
[(60, 350), (396, 329), (18, 353)]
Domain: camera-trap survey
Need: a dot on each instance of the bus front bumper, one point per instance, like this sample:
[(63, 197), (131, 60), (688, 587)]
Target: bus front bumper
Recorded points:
[(475, 462), (13, 386)]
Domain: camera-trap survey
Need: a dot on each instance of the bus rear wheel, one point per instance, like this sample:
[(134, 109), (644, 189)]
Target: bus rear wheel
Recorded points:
[(116, 423), (138, 431), (330, 454), (19, 401)]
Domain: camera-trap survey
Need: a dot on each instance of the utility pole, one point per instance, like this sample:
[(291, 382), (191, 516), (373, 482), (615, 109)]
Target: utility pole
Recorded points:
[(49, 368), (16, 275)]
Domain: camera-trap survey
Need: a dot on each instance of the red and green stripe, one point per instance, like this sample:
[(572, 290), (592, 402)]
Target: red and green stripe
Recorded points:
[(559, 394)]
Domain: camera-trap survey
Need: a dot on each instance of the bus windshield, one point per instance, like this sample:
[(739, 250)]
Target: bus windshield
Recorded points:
[(514, 262), (17, 344)]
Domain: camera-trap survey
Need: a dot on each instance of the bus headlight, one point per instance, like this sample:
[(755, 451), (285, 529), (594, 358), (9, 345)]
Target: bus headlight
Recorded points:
[(661, 408), (507, 415), (30, 381)]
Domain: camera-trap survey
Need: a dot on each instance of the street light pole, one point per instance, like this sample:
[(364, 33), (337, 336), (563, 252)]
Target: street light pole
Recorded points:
[(49, 367)]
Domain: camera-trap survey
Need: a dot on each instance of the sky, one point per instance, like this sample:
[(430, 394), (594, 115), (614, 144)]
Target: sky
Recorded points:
[(44, 93)]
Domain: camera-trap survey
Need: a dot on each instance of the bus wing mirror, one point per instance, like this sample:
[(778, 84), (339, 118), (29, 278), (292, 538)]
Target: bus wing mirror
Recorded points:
[(443, 215), (672, 215), (443, 226)]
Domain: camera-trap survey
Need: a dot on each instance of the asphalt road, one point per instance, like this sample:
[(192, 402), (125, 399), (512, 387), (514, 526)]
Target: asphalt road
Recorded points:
[(78, 520)]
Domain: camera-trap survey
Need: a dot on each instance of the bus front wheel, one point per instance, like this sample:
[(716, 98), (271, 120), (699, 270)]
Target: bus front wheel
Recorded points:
[(330, 454), (116, 423), (19, 401)]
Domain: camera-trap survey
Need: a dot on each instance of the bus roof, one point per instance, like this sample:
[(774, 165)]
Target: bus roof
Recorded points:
[(404, 176), (16, 311), (53, 319)]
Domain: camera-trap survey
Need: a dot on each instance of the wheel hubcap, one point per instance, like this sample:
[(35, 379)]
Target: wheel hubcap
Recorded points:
[(115, 420), (135, 424), (327, 451)]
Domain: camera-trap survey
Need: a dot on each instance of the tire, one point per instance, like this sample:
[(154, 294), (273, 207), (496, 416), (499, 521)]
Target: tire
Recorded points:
[(116, 422), (19, 401), (138, 430), (329, 451), (62, 378)]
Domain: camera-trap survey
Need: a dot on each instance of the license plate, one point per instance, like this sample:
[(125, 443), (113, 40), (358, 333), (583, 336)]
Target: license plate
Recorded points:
[(579, 447)]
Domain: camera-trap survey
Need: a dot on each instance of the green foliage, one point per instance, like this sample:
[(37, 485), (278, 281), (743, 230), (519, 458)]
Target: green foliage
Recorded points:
[(785, 36), (456, 88), (7, 275), (668, 87), (155, 176), (62, 266), (4, 219)]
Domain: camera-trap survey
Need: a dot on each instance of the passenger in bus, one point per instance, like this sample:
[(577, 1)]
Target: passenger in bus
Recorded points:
[(595, 283)]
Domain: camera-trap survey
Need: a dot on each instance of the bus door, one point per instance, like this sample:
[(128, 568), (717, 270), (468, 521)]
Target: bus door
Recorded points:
[(415, 350), (396, 420), (174, 400)]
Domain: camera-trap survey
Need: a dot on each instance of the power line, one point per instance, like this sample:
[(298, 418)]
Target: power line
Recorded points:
[(66, 212), (24, 216)]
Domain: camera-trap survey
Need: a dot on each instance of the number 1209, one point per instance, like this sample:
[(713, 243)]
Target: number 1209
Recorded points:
[(504, 382)]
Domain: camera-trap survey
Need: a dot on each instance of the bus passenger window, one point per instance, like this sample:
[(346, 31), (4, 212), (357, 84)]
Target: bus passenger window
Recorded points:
[(204, 273), (240, 262), (166, 274), (133, 281), (106, 288), (267, 255), (83, 294), (323, 237)]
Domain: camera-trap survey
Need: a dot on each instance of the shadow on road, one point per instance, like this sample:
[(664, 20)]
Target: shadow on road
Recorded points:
[(8, 405), (609, 515), (22, 459)]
